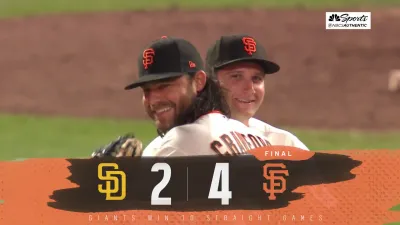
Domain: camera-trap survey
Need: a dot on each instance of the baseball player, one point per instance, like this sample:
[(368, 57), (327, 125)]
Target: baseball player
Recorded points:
[(237, 137), (187, 106), (240, 64), (176, 91)]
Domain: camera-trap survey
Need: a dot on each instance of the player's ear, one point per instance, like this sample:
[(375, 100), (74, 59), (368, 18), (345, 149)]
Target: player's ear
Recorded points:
[(200, 79)]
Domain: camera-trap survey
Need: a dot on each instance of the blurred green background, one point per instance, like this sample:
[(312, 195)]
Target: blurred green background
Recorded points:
[(17, 8), (36, 136)]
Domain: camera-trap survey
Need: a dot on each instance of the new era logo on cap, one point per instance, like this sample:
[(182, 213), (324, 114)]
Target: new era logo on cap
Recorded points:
[(166, 58), (192, 64)]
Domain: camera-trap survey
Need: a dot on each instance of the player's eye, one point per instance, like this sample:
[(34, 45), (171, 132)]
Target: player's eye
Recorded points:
[(235, 76), (159, 87), (257, 79), (146, 92), (163, 86)]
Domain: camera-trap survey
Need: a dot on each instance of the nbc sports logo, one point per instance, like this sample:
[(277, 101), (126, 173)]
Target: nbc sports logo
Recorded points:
[(348, 20)]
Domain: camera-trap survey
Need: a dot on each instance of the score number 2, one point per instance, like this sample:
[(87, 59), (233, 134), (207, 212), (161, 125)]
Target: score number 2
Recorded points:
[(155, 194), (221, 173)]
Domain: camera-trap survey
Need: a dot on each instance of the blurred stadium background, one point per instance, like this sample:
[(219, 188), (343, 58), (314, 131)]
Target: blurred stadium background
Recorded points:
[(64, 65)]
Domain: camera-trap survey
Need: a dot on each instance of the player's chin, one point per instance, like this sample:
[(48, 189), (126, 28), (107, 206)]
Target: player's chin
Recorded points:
[(166, 120), (245, 106), (247, 109), (163, 126)]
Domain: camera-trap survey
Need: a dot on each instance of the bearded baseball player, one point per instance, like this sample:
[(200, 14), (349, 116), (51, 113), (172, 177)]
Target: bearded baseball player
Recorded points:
[(176, 91)]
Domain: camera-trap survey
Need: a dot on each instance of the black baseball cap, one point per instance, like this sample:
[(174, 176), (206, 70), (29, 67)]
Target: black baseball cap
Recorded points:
[(165, 58), (238, 48)]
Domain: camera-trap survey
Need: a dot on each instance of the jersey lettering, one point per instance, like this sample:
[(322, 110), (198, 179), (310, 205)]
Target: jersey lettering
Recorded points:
[(267, 142), (234, 146), (244, 140), (215, 145), (254, 140), (236, 137), (264, 141)]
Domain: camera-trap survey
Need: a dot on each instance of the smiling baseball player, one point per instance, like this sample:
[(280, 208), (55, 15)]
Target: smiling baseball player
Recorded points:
[(239, 63), (188, 109)]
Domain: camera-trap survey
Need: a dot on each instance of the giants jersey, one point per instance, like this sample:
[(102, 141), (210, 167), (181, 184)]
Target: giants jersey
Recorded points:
[(212, 134), (275, 135)]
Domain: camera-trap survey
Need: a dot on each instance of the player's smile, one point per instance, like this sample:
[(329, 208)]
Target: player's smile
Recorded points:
[(245, 104), (245, 101), (162, 112)]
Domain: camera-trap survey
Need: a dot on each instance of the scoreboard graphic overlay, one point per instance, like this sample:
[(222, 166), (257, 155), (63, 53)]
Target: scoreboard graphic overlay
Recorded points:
[(271, 185)]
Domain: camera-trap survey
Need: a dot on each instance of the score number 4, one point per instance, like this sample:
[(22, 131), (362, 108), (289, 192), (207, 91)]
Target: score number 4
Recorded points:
[(221, 173)]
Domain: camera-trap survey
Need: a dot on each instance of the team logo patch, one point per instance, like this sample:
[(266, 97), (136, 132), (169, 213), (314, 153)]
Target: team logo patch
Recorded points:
[(148, 58), (249, 45)]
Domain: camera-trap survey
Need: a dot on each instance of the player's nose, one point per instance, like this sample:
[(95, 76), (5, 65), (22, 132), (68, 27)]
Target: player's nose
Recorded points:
[(248, 86), (152, 97)]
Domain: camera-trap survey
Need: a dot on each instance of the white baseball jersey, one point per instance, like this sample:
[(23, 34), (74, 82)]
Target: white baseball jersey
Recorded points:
[(214, 134), (276, 135)]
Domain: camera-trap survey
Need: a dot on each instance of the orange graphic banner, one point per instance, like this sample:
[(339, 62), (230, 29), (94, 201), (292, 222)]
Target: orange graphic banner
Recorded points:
[(281, 153), (365, 200)]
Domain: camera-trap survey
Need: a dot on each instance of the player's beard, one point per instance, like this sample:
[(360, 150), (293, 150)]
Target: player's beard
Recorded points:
[(185, 104), (164, 122), (185, 112)]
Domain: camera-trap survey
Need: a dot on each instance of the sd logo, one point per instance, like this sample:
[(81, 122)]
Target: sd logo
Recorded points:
[(114, 177)]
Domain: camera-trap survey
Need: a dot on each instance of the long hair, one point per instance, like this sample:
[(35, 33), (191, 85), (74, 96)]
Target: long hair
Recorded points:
[(211, 98)]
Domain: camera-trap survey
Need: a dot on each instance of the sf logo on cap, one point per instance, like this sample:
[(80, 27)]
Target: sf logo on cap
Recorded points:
[(148, 57), (249, 45)]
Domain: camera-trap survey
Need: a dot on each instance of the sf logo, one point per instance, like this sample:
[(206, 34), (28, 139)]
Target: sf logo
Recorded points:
[(249, 45), (115, 181), (148, 58), (273, 178)]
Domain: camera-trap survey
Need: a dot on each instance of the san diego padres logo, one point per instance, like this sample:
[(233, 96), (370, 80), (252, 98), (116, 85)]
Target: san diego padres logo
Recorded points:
[(115, 177), (249, 45), (271, 176), (148, 59)]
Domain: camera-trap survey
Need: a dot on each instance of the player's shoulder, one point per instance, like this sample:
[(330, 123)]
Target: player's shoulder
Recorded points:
[(152, 146), (156, 141), (186, 130), (188, 139), (211, 119), (265, 127), (269, 129)]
